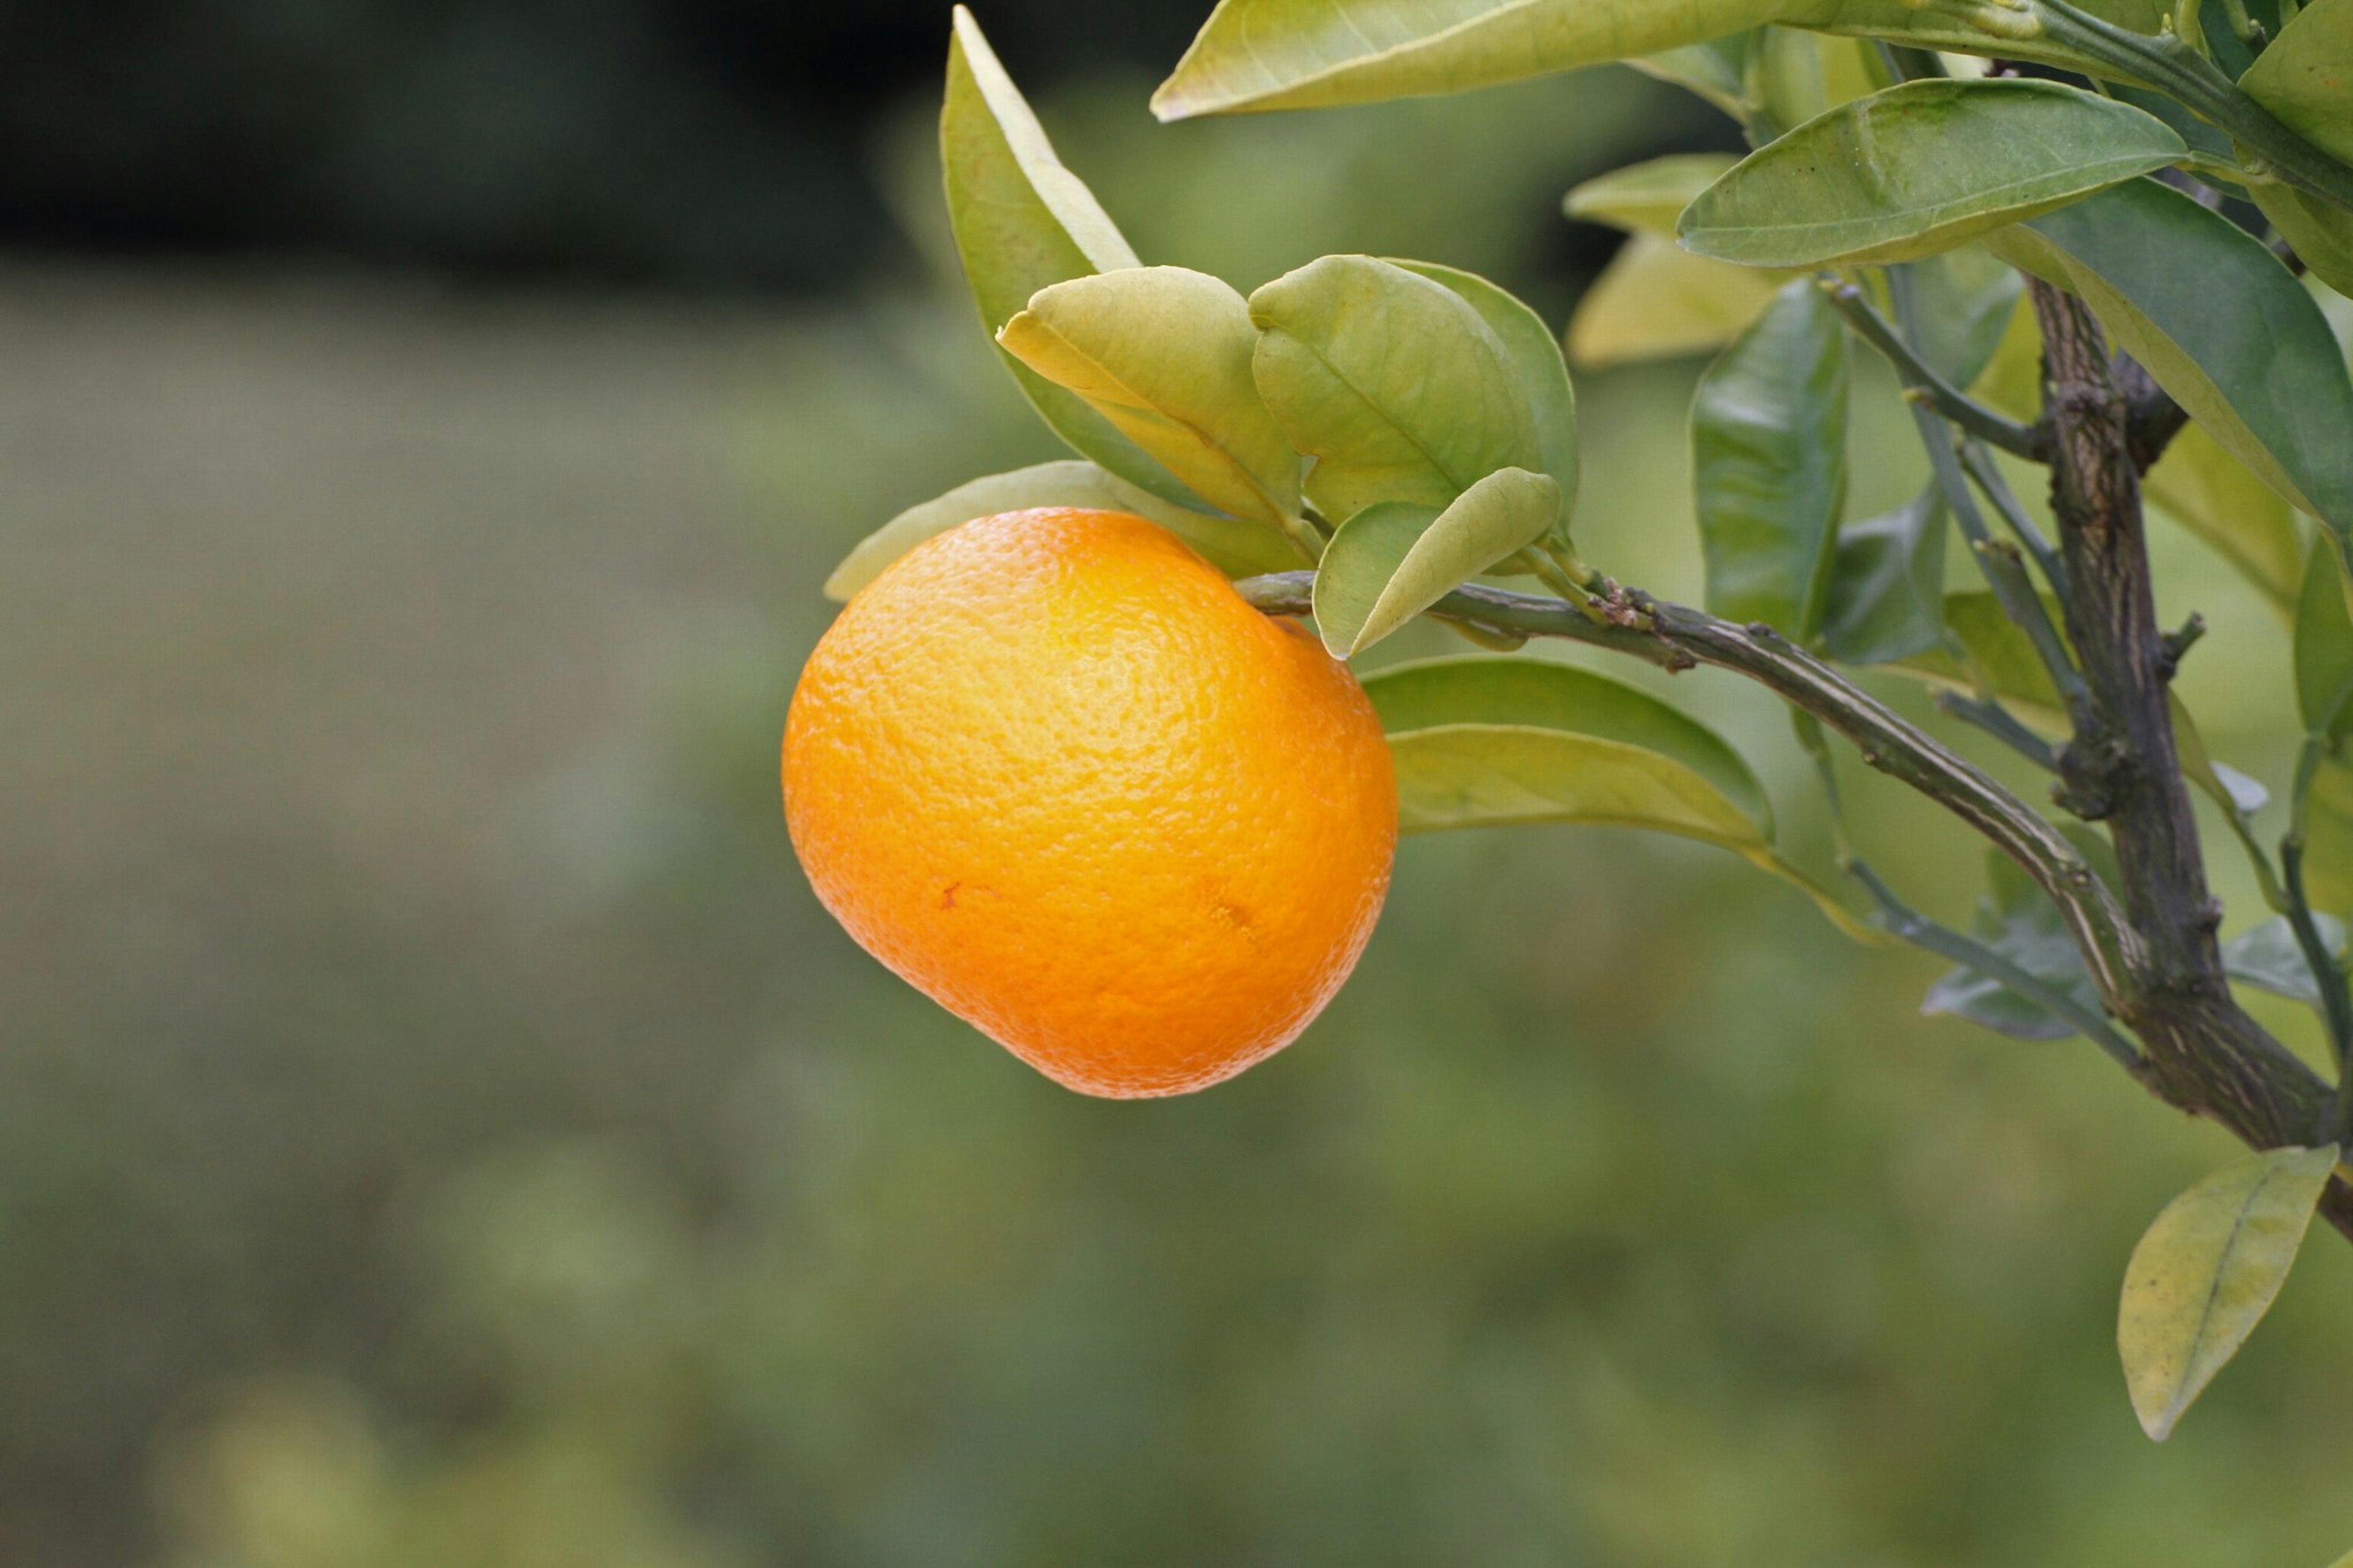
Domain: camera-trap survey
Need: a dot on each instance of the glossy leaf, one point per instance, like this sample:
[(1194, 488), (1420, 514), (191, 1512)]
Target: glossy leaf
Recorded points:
[(1655, 300), (2324, 646), (1533, 353), (1482, 741), (2303, 76), (2207, 1272), (1921, 168), (1164, 354), (2001, 650), (1967, 300), (1394, 559), (1391, 381), (1888, 585), (2270, 958), (1237, 548), (1021, 222), (1768, 464), (2220, 323), (2016, 919), (2208, 491), (1647, 198), (1307, 54)]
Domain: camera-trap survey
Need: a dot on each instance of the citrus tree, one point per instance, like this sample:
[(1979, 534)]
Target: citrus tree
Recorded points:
[(1038, 758)]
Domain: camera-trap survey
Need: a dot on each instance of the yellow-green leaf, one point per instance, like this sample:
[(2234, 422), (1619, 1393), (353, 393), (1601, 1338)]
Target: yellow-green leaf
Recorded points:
[(1647, 198), (1022, 221), (2324, 646), (1391, 381), (1394, 559), (1307, 54), (1534, 354), (2244, 520), (2305, 76), (1164, 353), (1481, 742), (1921, 168), (1655, 300), (2321, 234), (1237, 548), (2207, 1272)]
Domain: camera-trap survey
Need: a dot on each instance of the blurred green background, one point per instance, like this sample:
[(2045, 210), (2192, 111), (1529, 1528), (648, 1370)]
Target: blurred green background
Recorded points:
[(439, 1127)]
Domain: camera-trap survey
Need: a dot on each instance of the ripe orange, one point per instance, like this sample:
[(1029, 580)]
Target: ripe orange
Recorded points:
[(1052, 769)]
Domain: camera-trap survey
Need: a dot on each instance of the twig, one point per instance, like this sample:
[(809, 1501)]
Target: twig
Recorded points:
[(1980, 467), (1924, 384)]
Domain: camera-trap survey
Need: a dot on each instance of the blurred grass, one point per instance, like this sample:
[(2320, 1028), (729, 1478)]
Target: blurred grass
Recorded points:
[(438, 1126)]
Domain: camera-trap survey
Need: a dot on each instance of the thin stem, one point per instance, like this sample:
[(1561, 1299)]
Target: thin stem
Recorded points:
[(1922, 384), (1980, 467), (2001, 725), (1900, 920)]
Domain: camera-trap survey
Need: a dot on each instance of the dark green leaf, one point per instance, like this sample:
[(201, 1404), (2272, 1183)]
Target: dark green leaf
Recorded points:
[(2207, 1272), (1921, 168), (1237, 548), (1533, 352), (1647, 198), (1482, 741), (1307, 54), (1657, 300), (1021, 222), (1768, 462), (1391, 381), (1888, 585), (2270, 958), (2017, 920), (1164, 354), (1395, 559), (2220, 323)]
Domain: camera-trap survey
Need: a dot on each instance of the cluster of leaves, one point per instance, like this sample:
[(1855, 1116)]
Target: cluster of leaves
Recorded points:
[(1399, 429)]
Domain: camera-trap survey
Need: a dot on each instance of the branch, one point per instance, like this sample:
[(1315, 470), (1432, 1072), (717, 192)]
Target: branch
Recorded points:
[(1676, 637), (1922, 385), (2205, 1054)]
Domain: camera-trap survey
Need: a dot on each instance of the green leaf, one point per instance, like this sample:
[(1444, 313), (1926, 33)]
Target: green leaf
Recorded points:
[(1394, 559), (2270, 958), (1921, 168), (2012, 382), (1164, 354), (2320, 234), (1235, 547), (2220, 323), (2324, 646), (1966, 299), (1998, 647), (1647, 198), (2226, 786), (1655, 300), (1887, 585), (1714, 71), (2207, 1272), (1533, 352), (2018, 921), (1022, 221), (1768, 464), (1978, 29), (2213, 495), (2302, 78), (1481, 742), (1308, 54), (1391, 381), (2329, 838)]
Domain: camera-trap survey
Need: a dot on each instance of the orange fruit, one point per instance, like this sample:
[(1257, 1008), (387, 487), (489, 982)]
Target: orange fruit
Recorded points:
[(1052, 770)]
